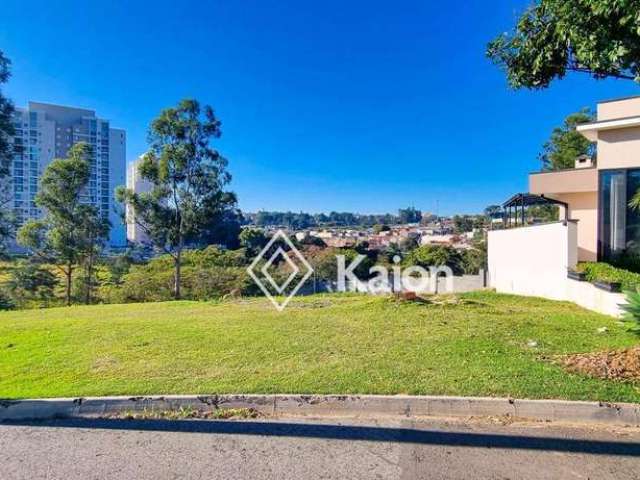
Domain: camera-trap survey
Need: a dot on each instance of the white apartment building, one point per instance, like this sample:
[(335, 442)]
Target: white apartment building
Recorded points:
[(46, 132), (135, 233)]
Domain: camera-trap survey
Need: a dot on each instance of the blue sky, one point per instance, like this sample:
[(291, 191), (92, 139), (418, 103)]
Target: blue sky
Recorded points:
[(362, 106)]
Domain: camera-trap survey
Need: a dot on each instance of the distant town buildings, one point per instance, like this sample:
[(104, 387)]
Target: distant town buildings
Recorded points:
[(44, 132), (135, 233), (436, 233)]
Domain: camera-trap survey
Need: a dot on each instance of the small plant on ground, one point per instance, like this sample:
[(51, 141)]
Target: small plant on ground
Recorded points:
[(632, 311)]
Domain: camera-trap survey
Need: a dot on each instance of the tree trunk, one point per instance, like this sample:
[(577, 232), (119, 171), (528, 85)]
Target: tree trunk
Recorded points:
[(176, 276), (68, 275), (88, 280)]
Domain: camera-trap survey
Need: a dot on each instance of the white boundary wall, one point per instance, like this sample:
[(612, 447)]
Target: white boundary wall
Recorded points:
[(533, 261)]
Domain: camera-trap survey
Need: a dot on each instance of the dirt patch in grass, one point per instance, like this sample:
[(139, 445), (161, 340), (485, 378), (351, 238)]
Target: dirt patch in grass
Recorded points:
[(621, 364)]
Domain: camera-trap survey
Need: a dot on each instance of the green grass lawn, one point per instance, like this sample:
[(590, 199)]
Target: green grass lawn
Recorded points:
[(319, 344)]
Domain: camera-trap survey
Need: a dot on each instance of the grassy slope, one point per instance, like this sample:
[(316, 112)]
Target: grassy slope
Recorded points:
[(320, 344)]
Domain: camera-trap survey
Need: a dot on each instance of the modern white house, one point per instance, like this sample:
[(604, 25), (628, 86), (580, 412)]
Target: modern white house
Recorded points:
[(595, 221), (597, 191)]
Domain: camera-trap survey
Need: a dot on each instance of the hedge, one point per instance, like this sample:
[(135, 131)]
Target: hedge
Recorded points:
[(608, 273)]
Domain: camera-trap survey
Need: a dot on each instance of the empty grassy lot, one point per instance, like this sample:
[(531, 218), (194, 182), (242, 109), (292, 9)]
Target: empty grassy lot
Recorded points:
[(483, 345)]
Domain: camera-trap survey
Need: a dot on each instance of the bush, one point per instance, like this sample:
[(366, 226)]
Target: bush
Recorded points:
[(428, 256), (206, 274), (325, 263), (6, 303), (473, 260), (605, 272), (632, 311), (31, 284), (143, 284), (117, 267), (626, 260)]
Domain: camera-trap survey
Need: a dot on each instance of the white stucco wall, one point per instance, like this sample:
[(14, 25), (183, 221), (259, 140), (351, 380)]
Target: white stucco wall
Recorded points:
[(533, 261), (593, 298)]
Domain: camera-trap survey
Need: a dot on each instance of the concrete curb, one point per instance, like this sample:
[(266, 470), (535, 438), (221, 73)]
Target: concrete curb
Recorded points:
[(333, 405)]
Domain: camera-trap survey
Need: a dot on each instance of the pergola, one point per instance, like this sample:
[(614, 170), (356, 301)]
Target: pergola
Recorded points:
[(522, 200)]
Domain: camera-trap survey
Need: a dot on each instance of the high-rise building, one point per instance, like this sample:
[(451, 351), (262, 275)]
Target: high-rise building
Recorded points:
[(135, 182), (46, 132)]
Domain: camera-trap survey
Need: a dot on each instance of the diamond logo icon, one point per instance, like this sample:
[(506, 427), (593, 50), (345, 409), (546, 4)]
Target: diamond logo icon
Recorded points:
[(297, 267)]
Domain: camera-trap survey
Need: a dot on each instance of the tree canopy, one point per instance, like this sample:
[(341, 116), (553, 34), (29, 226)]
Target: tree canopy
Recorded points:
[(555, 37), (72, 231), (493, 211), (566, 144), (7, 225), (188, 178)]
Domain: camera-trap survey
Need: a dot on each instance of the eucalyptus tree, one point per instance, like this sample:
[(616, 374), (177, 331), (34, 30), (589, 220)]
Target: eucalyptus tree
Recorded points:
[(187, 177), (7, 150), (72, 231)]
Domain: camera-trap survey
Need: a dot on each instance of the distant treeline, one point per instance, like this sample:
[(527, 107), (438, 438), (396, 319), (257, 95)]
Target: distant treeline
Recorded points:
[(337, 219)]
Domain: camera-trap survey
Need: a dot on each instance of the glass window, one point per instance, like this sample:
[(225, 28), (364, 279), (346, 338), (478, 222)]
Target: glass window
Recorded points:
[(632, 233), (619, 228)]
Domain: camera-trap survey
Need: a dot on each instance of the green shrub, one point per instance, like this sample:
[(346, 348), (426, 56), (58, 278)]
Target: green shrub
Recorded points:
[(626, 259), (206, 274), (110, 293), (608, 273), (427, 256), (6, 303), (632, 311), (325, 263), (31, 285)]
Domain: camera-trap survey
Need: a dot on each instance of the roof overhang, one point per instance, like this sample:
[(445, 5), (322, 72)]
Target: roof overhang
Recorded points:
[(575, 180), (590, 130), (529, 200)]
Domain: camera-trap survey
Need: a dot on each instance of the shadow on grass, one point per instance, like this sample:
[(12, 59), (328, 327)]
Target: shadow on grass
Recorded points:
[(349, 432)]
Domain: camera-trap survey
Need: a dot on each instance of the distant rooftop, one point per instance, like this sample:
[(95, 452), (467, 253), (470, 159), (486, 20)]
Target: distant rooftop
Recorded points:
[(51, 107)]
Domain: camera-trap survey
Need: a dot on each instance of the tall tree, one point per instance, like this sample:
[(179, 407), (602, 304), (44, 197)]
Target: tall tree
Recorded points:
[(7, 224), (71, 231), (92, 230), (566, 144), (493, 211), (554, 37), (224, 228), (188, 178), (409, 215)]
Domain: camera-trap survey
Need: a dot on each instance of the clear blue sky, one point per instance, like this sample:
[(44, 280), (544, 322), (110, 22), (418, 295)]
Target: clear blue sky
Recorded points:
[(336, 105)]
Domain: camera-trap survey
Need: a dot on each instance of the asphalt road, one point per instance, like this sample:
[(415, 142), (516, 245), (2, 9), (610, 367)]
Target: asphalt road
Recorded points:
[(308, 449)]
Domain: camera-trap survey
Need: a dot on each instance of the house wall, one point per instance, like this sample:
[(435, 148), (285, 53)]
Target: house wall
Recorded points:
[(564, 181), (578, 188), (619, 148), (625, 107), (583, 208), (591, 297), (533, 261)]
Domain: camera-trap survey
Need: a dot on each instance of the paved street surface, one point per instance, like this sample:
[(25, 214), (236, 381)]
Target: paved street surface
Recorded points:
[(307, 449)]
